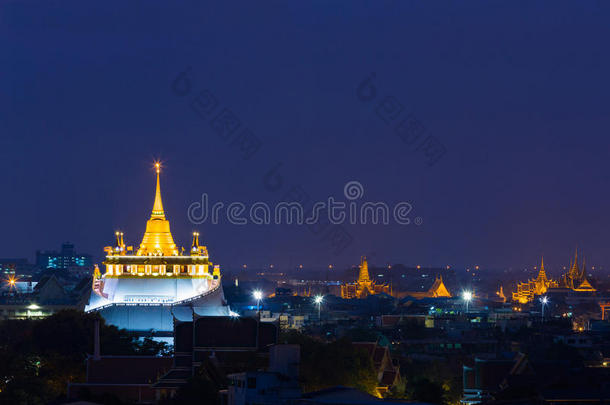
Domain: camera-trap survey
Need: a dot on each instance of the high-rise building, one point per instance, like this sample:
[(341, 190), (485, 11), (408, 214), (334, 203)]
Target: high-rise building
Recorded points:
[(64, 259), (17, 266), (143, 291)]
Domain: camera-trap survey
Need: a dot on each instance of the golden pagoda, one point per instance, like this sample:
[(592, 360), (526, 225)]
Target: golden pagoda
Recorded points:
[(158, 278), (157, 237), (158, 254), (364, 286), (528, 290)]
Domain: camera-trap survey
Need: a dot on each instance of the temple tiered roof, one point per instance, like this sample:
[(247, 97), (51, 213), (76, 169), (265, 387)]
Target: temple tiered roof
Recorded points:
[(364, 286)]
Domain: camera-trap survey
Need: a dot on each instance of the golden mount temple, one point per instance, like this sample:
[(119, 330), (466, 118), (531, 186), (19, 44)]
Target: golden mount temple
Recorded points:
[(574, 280), (145, 290), (364, 286)]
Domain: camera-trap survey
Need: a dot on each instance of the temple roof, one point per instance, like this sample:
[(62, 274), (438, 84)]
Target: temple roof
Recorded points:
[(158, 238), (438, 289), (585, 286)]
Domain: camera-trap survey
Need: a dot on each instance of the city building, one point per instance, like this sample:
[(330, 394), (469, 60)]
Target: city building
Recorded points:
[(364, 286), (225, 345), (64, 259), (276, 385), (142, 291), (12, 267), (38, 299)]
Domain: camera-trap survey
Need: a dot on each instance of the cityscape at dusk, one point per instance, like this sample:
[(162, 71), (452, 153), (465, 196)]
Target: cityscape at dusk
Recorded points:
[(292, 203)]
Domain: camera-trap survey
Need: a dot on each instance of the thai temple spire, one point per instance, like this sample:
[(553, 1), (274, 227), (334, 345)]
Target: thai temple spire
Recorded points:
[(157, 211), (195, 244), (157, 240), (574, 271), (364, 270), (364, 286), (542, 272)]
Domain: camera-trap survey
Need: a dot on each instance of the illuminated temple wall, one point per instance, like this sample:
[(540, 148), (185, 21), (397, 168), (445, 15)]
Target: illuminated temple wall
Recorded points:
[(159, 318)]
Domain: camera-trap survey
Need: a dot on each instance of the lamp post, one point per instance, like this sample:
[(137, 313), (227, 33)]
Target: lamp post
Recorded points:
[(467, 297), (318, 300), (258, 296), (543, 301)]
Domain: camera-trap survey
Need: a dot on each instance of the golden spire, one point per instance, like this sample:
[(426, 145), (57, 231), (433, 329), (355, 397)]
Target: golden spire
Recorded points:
[(195, 240), (157, 211), (364, 270), (157, 239), (542, 272), (574, 268)]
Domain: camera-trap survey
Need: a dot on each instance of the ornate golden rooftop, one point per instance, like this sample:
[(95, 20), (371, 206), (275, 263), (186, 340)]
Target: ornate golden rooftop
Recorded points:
[(158, 253), (157, 238)]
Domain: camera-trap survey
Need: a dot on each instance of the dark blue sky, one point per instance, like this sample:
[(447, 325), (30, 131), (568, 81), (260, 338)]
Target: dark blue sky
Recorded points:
[(517, 92)]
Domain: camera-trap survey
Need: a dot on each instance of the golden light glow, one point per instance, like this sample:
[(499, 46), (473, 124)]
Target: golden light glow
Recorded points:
[(157, 256), (575, 279), (157, 240), (11, 281), (364, 286)]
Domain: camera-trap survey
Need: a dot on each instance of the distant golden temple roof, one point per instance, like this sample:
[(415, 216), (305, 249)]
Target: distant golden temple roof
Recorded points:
[(157, 240)]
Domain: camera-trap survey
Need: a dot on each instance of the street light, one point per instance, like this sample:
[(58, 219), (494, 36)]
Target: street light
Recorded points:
[(258, 296), (544, 300), (467, 297), (318, 300)]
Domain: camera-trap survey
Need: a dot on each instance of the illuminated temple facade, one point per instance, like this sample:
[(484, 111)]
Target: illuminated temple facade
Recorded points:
[(143, 291), (364, 286), (575, 280)]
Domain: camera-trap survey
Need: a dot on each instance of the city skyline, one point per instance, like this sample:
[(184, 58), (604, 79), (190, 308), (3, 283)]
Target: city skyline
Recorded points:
[(304, 202)]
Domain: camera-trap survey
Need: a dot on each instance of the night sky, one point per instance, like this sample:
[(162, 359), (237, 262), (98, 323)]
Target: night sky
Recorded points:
[(516, 92)]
